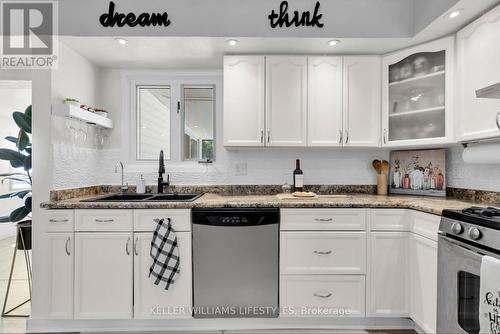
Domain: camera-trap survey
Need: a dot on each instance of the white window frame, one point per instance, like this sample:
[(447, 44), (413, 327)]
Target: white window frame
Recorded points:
[(176, 80)]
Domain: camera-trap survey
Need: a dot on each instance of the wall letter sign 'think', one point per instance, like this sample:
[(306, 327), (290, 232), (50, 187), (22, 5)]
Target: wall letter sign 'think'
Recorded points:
[(304, 19), (112, 18)]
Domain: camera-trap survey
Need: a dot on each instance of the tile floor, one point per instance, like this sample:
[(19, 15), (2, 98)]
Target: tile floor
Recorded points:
[(19, 287), (20, 293)]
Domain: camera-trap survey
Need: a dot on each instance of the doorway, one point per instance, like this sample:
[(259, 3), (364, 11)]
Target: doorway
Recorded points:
[(15, 95)]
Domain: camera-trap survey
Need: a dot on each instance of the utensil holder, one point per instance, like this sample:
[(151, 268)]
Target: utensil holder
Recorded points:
[(382, 184)]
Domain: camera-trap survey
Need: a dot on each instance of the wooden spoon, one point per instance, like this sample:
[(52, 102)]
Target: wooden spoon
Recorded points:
[(377, 165), (385, 166)]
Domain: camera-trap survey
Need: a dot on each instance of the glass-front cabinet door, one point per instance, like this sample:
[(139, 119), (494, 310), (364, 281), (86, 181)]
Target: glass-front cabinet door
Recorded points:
[(417, 88)]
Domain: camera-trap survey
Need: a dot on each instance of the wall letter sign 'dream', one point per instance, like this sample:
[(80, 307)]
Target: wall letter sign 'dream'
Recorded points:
[(304, 19), (112, 18)]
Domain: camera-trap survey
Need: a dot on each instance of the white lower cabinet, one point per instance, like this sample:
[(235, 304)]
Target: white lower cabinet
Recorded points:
[(153, 301), (423, 282), (323, 295), (103, 275), (60, 261), (389, 262)]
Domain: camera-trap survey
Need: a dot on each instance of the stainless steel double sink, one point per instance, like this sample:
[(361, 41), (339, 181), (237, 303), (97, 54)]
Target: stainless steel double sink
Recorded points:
[(171, 197)]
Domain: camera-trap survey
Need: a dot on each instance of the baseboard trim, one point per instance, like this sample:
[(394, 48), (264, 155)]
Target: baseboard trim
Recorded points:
[(190, 325)]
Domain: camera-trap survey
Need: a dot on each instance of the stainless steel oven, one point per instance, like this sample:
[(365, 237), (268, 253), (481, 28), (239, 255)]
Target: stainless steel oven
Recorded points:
[(462, 242)]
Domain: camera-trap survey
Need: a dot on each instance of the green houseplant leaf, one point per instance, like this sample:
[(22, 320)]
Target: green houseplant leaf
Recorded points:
[(5, 219), (11, 139), (27, 203), (19, 194), (16, 159), (23, 121), (27, 112), (18, 214), (22, 140)]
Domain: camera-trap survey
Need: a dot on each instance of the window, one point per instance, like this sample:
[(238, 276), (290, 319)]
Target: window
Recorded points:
[(199, 109), (153, 122)]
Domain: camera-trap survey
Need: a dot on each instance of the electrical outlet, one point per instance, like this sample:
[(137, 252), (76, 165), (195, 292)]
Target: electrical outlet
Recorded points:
[(241, 169)]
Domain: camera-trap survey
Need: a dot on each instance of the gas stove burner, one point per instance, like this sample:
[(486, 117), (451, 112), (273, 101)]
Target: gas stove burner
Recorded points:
[(485, 212)]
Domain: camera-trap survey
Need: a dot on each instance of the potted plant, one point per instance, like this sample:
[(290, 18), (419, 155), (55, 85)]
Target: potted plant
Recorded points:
[(20, 158)]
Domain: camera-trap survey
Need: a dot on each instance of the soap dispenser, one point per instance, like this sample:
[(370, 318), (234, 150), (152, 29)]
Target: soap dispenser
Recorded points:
[(141, 185)]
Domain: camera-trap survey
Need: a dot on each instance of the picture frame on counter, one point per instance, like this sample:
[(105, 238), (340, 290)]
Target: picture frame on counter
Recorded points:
[(420, 173)]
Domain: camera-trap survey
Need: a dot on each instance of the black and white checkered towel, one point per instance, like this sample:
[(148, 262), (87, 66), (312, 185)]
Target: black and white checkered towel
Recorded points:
[(165, 254)]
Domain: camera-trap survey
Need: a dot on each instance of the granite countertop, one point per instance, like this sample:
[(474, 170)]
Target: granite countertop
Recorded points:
[(209, 200)]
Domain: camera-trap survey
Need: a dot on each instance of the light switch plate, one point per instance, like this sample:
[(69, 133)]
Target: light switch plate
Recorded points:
[(241, 169)]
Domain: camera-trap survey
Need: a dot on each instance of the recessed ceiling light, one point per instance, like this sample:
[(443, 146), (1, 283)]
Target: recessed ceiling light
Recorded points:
[(454, 14), (121, 41), (333, 42), (232, 42)]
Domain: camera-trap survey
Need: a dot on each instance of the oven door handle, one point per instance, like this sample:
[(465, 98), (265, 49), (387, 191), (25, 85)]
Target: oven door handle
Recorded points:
[(477, 255)]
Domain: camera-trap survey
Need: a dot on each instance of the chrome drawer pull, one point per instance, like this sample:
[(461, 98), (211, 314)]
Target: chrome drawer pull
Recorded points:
[(498, 120), (104, 220), (341, 137), (127, 246), (323, 219), (135, 246), (66, 246), (58, 220), (323, 253), (319, 295)]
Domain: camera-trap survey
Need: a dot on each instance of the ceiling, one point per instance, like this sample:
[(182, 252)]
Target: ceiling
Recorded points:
[(206, 52)]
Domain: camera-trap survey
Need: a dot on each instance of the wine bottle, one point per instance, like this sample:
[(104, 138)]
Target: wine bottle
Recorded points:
[(298, 177)]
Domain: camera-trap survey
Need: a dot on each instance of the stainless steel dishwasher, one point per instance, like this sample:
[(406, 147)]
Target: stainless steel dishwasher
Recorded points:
[(235, 263)]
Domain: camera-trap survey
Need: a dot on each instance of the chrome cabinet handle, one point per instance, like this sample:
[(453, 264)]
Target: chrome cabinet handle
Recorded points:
[(127, 246), (323, 253), (66, 247), (58, 220), (385, 136), (341, 136), (319, 295), (135, 246), (498, 120), (262, 136), (104, 220), (268, 136), (323, 219), (347, 137)]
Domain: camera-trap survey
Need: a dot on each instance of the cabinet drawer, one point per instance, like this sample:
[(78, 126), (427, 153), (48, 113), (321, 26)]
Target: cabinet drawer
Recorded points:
[(103, 220), (323, 219), (144, 219), (323, 295), (59, 220), (323, 253), (425, 224), (389, 220)]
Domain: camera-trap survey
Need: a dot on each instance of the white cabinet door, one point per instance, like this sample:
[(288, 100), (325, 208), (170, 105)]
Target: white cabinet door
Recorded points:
[(59, 303), (478, 65), (286, 100), (324, 96), (389, 274), (417, 95), (103, 275), (423, 282), (244, 100), (362, 101), (153, 301)]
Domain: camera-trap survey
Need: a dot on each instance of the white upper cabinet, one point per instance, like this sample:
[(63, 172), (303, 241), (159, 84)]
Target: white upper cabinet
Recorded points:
[(324, 101), (417, 95), (478, 65), (362, 101), (244, 100), (286, 100)]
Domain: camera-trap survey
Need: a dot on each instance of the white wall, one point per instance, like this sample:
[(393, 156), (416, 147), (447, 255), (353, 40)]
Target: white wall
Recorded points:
[(14, 96), (75, 163)]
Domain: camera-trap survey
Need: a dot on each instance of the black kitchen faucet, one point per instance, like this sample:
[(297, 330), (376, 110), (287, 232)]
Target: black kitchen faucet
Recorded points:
[(161, 171)]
